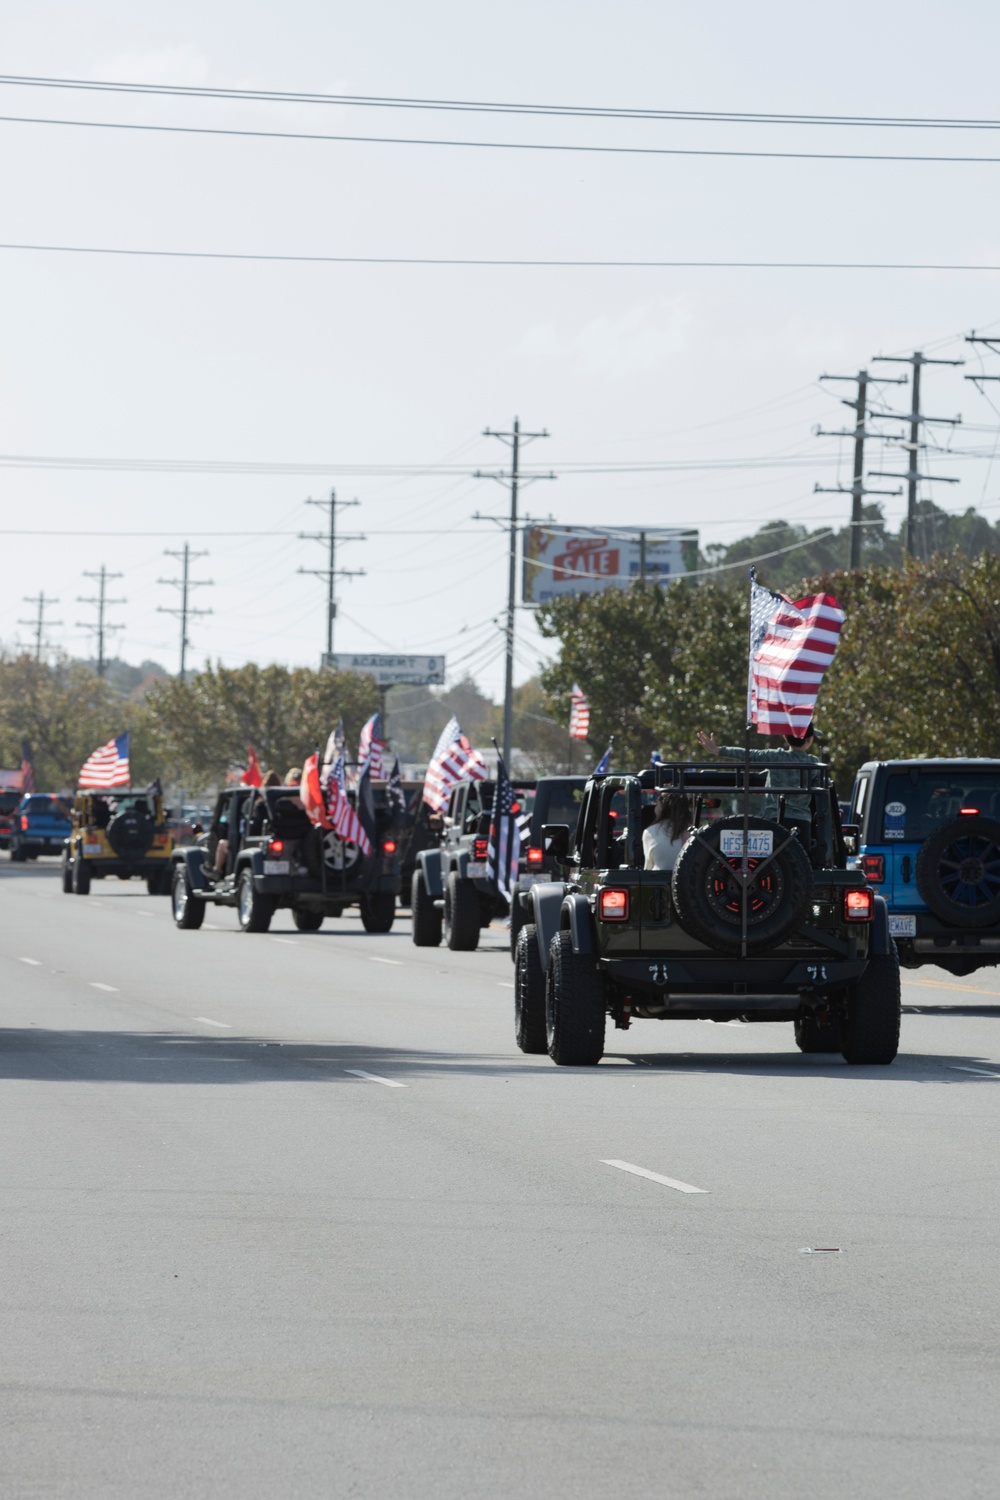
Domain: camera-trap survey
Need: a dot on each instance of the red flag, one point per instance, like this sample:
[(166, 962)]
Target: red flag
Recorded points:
[(312, 793), (251, 776)]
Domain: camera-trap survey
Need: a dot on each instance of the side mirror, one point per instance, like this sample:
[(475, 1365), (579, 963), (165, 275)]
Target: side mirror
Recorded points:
[(852, 837), (555, 841)]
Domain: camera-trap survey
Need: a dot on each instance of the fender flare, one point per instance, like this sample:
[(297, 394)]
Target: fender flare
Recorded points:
[(546, 906), (576, 916), (193, 861), (880, 939), (429, 863)]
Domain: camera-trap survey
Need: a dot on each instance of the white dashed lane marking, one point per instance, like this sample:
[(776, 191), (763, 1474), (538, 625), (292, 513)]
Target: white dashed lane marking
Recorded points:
[(983, 1072), (207, 1021), (390, 1083), (398, 962), (671, 1182), (36, 963), (504, 984), (289, 941), (112, 989)]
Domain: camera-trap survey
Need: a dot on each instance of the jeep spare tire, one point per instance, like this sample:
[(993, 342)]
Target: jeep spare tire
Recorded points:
[(707, 889), (130, 832), (958, 872)]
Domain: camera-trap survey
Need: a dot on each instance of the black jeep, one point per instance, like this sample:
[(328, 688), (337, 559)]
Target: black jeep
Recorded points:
[(274, 856), (785, 933), (451, 890)]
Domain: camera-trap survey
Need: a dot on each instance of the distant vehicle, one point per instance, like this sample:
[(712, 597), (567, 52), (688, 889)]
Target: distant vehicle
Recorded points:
[(926, 835), (40, 825), (8, 807), (121, 832), (276, 857)]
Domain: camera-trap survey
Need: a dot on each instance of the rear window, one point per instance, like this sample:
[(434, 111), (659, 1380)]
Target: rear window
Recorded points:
[(46, 807), (916, 806), (557, 802)]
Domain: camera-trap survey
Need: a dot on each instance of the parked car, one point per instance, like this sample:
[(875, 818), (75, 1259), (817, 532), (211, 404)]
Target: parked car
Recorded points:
[(41, 825)]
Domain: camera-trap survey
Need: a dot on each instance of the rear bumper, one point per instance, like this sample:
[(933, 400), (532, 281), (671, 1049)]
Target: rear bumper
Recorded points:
[(40, 843), (100, 866), (695, 985)]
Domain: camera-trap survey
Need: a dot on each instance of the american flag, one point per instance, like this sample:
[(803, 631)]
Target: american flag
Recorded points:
[(791, 646), (370, 748), (342, 815), (395, 793), (453, 760), (27, 768), (579, 714), (108, 766), (504, 849)]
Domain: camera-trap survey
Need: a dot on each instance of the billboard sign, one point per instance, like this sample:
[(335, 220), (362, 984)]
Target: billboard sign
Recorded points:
[(586, 559), (388, 669), (10, 781)]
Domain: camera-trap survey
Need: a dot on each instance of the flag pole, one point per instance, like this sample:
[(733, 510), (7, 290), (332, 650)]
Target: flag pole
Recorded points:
[(745, 864)]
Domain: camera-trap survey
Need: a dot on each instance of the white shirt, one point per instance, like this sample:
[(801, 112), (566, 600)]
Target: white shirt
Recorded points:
[(660, 849)]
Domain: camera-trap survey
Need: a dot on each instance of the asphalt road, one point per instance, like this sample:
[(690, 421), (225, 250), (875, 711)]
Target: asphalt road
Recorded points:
[(289, 1215)]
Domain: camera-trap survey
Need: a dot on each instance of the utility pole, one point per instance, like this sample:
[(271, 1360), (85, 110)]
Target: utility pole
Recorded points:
[(102, 602), (857, 490), (39, 622), (913, 446), (331, 573), (185, 583), (993, 345), (514, 477)]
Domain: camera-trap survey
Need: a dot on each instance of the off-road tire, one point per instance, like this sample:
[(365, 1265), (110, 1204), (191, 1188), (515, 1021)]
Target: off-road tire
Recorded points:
[(17, 854), (574, 1006), (66, 875), (518, 918), (425, 916), (529, 992), (871, 1028), (378, 912), (187, 911), (254, 911), (159, 883), (81, 877), (810, 1036), (462, 918), (708, 907), (307, 921), (970, 846)]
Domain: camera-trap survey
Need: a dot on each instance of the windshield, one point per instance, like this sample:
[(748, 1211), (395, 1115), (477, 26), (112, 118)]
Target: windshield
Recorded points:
[(557, 802), (917, 806)]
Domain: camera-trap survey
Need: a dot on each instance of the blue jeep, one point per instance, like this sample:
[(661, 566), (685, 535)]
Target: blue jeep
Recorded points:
[(927, 837)]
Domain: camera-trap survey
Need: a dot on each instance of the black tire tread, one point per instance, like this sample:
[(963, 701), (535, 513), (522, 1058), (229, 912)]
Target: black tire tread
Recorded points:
[(425, 916), (574, 1006), (462, 914), (529, 993), (871, 1029)]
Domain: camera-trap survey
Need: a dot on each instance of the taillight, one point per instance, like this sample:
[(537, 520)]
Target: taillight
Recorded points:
[(858, 906), (969, 812), (388, 846), (535, 855), (873, 868), (277, 846), (480, 849), (612, 906), (24, 822)]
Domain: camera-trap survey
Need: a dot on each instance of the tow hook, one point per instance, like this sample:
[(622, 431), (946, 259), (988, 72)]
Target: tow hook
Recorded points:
[(623, 1017)]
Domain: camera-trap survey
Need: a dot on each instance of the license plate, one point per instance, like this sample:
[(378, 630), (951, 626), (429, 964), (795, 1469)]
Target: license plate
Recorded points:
[(91, 848), (276, 867), (476, 872), (761, 843), (902, 926), (525, 881)]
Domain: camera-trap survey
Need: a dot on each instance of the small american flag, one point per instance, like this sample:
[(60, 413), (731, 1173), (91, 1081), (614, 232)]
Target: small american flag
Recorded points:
[(504, 849), (342, 815), (108, 766), (27, 768), (579, 714), (791, 646), (453, 760), (370, 748)]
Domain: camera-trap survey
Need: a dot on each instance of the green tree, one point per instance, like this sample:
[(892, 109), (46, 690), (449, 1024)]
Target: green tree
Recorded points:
[(65, 711)]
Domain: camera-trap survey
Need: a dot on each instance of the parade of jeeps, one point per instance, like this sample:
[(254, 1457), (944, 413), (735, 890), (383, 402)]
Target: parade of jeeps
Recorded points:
[(500, 751)]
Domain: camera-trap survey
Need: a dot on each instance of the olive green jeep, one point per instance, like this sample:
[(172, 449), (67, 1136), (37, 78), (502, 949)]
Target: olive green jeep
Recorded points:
[(760, 920)]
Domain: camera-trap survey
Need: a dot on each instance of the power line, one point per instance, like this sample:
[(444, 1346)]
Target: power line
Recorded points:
[(102, 602), (500, 261), (574, 148), (471, 106), (185, 583), (331, 573), (39, 622)]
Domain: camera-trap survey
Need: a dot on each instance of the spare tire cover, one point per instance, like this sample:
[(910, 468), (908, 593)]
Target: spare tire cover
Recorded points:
[(707, 894), (958, 872), (130, 832)]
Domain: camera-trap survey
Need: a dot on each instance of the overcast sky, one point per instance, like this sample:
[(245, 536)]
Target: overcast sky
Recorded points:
[(375, 366)]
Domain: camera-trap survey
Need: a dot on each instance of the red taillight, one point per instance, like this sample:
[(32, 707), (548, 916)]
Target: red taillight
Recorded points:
[(873, 868), (388, 846), (969, 812), (612, 906), (24, 822), (277, 846), (515, 808), (535, 855), (858, 906), (480, 849)]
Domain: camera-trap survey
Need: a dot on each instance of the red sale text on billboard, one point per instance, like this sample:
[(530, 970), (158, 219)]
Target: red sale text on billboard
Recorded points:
[(584, 559)]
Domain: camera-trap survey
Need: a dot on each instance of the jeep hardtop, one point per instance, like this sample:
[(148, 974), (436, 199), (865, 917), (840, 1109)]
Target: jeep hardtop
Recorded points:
[(926, 835), (760, 920), (276, 857)]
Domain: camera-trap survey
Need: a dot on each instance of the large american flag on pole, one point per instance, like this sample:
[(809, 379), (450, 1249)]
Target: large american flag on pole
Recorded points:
[(342, 815), (579, 714), (107, 766), (504, 848), (453, 760), (791, 646)]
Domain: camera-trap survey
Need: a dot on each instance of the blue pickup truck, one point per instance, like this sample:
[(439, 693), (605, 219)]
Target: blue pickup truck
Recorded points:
[(926, 834), (41, 825)]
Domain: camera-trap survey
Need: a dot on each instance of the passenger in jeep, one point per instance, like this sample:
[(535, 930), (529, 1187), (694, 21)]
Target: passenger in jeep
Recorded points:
[(667, 834)]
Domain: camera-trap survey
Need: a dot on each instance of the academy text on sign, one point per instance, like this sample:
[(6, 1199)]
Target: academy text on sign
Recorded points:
[(585, 560), (388, 669)]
